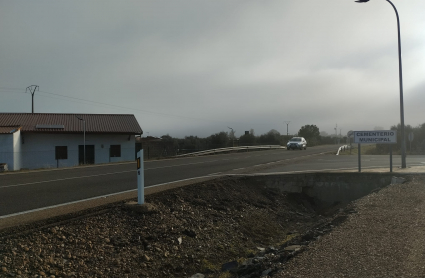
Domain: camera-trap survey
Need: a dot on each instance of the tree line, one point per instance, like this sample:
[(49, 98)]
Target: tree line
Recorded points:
[(228, 139), (310, 132), (417, 145)]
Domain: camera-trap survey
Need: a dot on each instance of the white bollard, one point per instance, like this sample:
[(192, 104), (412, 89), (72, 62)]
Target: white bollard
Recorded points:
[(140, 179)]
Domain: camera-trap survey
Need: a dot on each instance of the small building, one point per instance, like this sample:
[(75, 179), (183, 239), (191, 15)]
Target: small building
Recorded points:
[(42, 140)]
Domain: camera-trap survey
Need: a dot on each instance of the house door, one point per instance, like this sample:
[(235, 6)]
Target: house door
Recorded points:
[(89, 154)]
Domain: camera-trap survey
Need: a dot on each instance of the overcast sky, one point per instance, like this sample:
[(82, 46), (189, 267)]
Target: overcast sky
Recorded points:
[(199, 67)]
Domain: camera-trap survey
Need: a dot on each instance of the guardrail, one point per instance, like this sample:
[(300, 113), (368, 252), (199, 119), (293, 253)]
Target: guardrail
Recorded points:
[(343, 148), (230, 149)]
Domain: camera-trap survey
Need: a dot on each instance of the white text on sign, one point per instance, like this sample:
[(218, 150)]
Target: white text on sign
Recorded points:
[(375, 137)]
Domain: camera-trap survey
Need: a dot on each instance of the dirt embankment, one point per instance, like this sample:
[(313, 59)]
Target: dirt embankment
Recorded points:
[(221, 228)]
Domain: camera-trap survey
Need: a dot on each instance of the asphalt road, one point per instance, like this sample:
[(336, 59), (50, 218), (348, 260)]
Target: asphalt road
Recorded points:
[(23, 191), (343, 162)]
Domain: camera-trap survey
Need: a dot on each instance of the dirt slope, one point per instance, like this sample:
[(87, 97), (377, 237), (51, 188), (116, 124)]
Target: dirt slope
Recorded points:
[(193, 229)]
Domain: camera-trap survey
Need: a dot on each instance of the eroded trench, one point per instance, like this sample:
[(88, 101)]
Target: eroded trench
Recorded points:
[(246, 226)]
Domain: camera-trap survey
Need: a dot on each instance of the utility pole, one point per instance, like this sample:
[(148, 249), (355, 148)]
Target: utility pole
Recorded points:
[(336, 134), (32, 89), (287, 124), (84, 137)]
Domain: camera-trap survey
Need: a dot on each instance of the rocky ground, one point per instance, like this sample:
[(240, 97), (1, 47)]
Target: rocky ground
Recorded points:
[(384, 238), (221, 228)]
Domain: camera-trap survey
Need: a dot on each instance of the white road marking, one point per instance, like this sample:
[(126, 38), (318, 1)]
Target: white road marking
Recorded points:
[(108, 195), (180, 165), (66, 168), (71, 178), (94, 198), (279, 161), (307, 171), (98, 175)]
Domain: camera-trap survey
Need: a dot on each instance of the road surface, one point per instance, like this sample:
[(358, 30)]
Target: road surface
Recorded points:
[(24, 191)]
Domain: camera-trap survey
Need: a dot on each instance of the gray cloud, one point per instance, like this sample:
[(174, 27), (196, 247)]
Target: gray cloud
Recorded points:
[(194, 68)]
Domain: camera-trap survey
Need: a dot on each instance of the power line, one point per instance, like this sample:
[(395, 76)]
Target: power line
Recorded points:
[(10, 92), (12, 89), (75, 101), (121, 107), (97, 103)]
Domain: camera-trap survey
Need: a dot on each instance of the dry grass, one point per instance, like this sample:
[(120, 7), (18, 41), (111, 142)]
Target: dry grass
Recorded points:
[(365, 150)]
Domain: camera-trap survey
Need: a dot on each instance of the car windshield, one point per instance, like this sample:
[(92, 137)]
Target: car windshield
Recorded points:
[(296, 139)]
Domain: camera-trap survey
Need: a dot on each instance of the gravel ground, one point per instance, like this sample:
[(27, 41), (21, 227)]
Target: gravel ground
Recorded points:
[(230, 228), (384, 238), (192, 229)]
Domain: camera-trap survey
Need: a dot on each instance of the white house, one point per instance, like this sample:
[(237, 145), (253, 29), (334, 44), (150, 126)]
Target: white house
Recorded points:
[(42, 140)]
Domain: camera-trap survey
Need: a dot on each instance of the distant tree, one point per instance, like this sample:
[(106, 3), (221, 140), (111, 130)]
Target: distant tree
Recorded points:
[(270, 138), (170, 141), (385, 149), (191, 144), (166, 137), (311, 133), (247, 139), (326, 140), (169, 145), (420, 137), (218, 140)]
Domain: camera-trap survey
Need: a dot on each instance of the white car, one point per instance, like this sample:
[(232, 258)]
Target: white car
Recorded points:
[(296, 143)]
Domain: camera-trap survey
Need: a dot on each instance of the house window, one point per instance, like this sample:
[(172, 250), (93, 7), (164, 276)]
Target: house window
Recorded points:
[(61, 152), (115, 151)]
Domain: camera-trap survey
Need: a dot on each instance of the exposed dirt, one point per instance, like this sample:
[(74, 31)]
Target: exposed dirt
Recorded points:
[(210, 228)]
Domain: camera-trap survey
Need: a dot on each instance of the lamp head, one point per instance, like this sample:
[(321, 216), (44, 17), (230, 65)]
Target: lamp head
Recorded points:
[(362, 1)]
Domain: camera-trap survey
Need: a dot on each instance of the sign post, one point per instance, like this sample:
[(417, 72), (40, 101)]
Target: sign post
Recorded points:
[(140, 179), (376, 137)]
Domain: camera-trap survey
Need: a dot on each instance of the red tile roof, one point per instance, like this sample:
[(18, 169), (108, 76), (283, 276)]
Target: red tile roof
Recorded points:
[(69, 123), (8, 129)]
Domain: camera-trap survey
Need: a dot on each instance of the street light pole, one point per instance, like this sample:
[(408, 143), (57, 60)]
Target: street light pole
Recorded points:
[(400, 72), (84, 138), (233, 136)]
